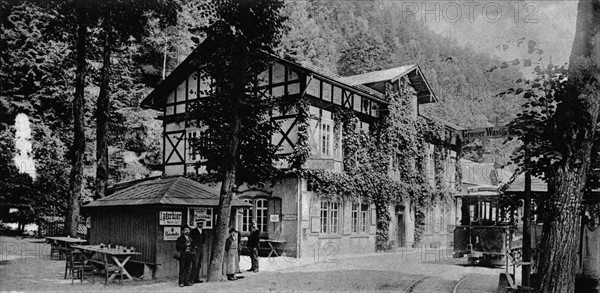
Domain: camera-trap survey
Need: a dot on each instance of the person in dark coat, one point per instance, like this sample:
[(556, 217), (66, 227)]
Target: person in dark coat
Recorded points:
[(231, 255), (198, 240), (185, 247), (253, 244)]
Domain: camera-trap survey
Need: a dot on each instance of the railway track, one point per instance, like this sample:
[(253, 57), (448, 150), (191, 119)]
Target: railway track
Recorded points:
[(415, 283), (470, 283)]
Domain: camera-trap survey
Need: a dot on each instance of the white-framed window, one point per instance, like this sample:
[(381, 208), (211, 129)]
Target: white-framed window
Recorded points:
[(205, 213), (355, 213), (261, 214), (360, 218), (364, 211), (247, 217), (329, 217)]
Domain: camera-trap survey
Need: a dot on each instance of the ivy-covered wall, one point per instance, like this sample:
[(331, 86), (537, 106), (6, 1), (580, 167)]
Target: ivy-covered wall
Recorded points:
[(393, 145)]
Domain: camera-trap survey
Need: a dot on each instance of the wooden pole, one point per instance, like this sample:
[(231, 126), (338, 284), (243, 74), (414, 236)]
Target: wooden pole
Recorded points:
[(526, 268)]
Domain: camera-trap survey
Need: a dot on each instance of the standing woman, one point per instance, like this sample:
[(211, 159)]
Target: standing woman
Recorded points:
[(231, 255)]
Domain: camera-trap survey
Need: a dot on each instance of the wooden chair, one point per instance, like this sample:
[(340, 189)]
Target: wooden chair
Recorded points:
[(82, 270), (55, 248), (76, 267)]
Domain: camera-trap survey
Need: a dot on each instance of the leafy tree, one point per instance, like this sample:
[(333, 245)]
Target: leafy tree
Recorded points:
[(558, 128), (558, 252), (14, 186), (77, 151), (119, 21), (52, 181), (239, 41), (35, 67)]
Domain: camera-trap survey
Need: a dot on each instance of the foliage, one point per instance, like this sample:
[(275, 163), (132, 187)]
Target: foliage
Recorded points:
[(35, 67), (542, 125), (398, 138), (307, 42), (240, 36), (361, 36), (38, 51), (537, 126), (301, 150), (52, 181)]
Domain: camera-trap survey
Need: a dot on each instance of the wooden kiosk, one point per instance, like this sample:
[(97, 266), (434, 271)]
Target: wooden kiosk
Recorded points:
[(149, 215)]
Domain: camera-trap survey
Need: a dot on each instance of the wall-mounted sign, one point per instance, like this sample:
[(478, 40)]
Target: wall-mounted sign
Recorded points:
[(290, 217), (171, 233), (485, 132), (319, 164), (170, 218), (205, 214), (274, 218)]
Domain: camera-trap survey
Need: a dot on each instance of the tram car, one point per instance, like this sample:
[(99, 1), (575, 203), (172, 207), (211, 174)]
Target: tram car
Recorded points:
[(486, 234)]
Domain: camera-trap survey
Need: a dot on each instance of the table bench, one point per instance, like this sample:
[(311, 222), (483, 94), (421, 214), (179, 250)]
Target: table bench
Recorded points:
[(149, 269), (116, 267), (61, 245)]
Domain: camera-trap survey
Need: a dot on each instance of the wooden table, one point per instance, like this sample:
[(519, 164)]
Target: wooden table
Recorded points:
[(63, 243), (273, 243), (119, 256)]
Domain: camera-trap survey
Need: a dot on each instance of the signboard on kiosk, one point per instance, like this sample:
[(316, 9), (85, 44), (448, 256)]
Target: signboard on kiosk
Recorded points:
[(169, 218)]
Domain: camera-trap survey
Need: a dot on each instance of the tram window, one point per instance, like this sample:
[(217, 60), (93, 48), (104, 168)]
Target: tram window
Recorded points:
[(493, 213), (485, 211), (472, 213)]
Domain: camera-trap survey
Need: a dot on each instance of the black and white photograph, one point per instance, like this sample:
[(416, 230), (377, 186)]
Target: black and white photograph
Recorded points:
[(427, 146)]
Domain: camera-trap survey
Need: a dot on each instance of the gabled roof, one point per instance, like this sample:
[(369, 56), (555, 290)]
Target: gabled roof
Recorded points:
[(537, 185), (193, 62), (169, 191), (377, 80)]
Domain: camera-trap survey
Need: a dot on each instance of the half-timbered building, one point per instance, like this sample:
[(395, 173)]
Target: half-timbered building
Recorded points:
[(289, 210)]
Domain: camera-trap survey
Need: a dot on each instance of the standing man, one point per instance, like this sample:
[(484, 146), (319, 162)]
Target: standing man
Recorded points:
[(253, 243), (198, 240), (185, 247)]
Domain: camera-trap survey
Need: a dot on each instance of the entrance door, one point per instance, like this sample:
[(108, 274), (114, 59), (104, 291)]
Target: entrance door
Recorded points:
[(401, 231)]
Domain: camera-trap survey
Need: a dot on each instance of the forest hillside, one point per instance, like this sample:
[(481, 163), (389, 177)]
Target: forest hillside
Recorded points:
[(336, 37)]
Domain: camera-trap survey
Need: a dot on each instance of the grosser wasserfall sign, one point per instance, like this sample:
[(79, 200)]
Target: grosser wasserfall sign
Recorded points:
[(485, 132)]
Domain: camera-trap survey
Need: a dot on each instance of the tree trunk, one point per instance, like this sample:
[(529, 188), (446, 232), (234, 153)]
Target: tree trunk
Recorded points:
[(78, 148), (562, 223), (102, 114), (215, 268), (558, 251)]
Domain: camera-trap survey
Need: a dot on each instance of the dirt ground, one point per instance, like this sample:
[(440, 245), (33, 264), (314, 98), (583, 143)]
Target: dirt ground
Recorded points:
[(25, 266)]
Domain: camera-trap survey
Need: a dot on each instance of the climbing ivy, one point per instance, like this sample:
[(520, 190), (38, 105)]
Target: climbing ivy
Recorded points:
[(395, 142)]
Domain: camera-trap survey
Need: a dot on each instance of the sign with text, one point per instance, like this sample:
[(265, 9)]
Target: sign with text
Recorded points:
[(274, 218), (320, 164), (290, 217), (170, 218), (200, 213), (485, 132), (171, 233)]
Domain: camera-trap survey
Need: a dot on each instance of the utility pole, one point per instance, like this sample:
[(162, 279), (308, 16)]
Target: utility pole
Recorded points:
[(526, 263)]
